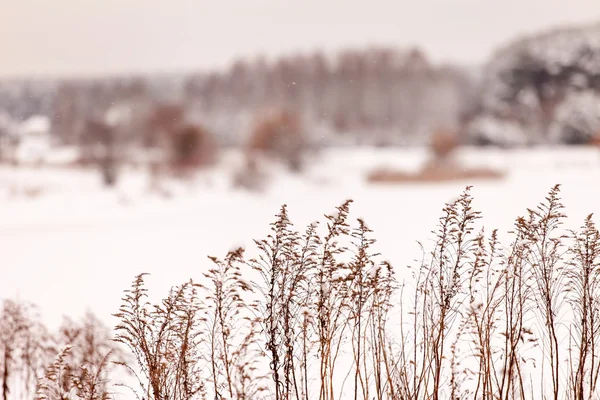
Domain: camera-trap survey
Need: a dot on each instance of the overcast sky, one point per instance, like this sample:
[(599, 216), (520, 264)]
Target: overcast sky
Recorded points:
[(51, 37)]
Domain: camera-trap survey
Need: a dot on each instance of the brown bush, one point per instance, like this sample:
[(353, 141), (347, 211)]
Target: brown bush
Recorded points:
[(595, 140), (192, 146), (433, 173), (162, 120), (279, 134), (443, 143)]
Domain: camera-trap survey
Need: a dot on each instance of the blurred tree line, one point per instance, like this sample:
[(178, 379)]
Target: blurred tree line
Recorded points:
[(377, 96), (542, 88)]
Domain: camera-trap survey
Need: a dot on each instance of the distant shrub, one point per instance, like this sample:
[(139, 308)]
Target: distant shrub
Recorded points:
[(163, 119), (434, 172), (279, 134), (443, 143), (192, 146)]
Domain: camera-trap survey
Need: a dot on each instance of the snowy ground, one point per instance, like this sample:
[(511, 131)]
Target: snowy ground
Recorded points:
[(76, 246)]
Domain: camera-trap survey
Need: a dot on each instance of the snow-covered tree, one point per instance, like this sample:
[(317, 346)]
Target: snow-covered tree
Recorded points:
[(531, 81), (577, 118)]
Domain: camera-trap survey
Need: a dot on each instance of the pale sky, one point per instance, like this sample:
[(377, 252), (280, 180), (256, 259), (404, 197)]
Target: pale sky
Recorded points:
[(64, 37)]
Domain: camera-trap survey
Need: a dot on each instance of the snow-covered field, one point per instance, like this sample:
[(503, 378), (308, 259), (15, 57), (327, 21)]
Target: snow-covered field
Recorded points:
[(71, 245)]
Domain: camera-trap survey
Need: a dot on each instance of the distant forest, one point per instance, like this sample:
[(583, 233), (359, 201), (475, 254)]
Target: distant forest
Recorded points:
[(538, 89)]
